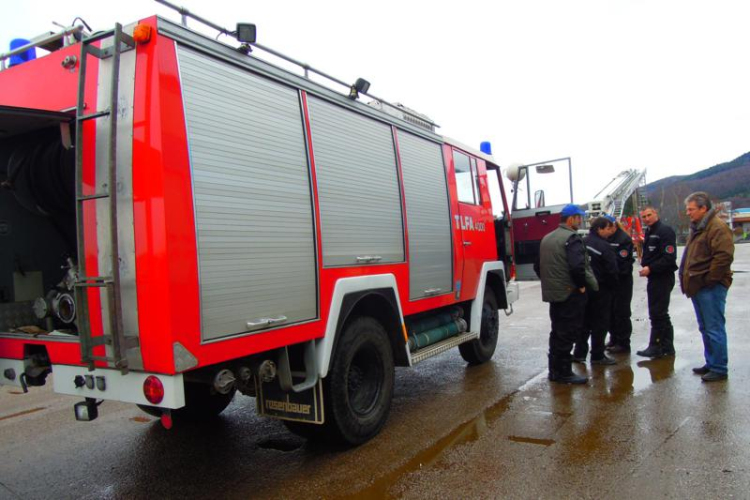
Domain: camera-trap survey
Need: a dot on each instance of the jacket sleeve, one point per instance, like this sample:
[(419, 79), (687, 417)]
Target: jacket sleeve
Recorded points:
[(667, 256), (722, 254), (576, 254)]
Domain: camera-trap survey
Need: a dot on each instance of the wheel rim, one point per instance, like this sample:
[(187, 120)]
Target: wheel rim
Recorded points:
[(365, 380), (490, 320)]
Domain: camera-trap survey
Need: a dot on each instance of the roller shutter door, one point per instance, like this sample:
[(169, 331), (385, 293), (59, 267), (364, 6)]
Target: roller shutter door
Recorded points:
[(253, 210), (427, 217), (358, 189)]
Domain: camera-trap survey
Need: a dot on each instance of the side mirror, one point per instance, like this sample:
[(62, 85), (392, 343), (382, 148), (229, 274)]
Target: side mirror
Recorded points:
[(545, 169), (246, 32)]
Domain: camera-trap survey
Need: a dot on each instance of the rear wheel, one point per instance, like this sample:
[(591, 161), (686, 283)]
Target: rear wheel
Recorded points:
[(202, 403), (359, 386), (481, 350)]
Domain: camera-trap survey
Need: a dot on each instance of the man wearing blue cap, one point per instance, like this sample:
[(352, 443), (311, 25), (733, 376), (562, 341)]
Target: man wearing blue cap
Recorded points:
[(566, 274)]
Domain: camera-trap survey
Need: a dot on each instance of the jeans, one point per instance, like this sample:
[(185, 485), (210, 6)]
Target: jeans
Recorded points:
[(709, 306)]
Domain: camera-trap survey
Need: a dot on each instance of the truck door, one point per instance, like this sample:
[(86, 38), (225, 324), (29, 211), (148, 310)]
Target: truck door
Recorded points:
[(540, 191), (473, 220)]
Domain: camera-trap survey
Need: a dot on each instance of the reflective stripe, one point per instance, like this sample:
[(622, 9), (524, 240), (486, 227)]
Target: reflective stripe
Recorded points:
[(597, 252)]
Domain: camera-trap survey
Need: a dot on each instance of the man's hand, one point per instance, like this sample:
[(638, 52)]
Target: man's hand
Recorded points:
[(582, 289), (644, 272)]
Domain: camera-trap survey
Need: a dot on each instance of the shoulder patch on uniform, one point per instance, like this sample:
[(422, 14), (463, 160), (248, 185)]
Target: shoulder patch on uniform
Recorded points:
[(623, 253), (670, 249)]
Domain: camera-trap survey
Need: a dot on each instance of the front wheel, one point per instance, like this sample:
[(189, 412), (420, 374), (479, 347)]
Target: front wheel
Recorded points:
[(202, 403), (480, 350), (359, 385)]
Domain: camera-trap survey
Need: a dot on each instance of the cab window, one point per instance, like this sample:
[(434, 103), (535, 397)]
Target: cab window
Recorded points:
[(465, 178)]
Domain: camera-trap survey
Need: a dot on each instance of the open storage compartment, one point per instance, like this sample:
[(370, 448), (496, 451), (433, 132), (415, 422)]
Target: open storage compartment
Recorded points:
[(38, 246)]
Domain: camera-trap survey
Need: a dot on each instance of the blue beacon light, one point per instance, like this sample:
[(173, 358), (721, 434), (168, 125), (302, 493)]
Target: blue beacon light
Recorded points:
[(23, 57), (486, 147)]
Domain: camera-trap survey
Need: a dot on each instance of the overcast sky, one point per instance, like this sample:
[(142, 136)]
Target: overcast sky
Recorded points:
[(614, 84)]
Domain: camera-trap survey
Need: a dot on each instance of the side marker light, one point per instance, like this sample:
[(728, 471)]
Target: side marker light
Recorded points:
[(142, 34)]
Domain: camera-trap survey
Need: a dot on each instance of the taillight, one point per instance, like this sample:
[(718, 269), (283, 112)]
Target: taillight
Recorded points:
[(153, 389)]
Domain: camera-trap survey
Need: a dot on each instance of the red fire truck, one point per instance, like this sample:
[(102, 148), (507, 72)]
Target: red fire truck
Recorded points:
[(181, 220)]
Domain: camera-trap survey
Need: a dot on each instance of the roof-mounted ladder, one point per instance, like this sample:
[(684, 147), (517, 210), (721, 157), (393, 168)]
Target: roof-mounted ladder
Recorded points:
[(113, 337)]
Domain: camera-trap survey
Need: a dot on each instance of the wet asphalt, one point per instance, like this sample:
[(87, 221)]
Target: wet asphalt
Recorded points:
[(648, 429)]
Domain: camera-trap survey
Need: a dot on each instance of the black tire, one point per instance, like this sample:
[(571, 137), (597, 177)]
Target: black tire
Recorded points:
[(480, 350), (202, 403), (359, 387)]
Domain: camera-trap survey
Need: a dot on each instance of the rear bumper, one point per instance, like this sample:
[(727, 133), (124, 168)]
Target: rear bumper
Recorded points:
[(101, 383), (109, 384)]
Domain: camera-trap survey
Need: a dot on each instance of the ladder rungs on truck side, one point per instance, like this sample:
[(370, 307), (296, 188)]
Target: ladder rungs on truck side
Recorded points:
[(113, 337)]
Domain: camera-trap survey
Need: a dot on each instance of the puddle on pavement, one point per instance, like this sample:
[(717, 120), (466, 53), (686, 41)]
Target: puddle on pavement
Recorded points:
[(22, 413), (628, 380), (649, 372), (530, 440), (465, 433), (280, 445)]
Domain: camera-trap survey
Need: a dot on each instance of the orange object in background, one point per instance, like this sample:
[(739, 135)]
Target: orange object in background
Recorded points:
[(634, 227)]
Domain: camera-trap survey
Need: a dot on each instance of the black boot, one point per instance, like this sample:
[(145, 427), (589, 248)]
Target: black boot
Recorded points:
[(563, 373), (580, 351), (551, 368), (654, 349)]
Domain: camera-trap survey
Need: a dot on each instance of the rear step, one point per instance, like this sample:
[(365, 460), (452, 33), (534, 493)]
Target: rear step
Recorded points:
[(442, 346)]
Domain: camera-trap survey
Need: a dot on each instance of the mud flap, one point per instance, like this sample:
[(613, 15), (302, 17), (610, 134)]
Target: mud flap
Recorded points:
[(304, 406)]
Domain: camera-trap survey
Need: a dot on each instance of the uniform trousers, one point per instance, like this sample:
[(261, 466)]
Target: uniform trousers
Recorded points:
[(659, 288), (621, 327), (596, 324)]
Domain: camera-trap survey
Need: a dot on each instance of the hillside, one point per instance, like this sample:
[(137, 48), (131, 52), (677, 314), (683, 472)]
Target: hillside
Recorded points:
[(728, 181)]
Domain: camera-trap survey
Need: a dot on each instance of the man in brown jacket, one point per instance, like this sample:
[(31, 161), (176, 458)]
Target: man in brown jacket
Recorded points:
[(705, 277)]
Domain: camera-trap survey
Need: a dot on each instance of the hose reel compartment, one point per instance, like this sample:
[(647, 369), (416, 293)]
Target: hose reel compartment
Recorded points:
[(37, 213)]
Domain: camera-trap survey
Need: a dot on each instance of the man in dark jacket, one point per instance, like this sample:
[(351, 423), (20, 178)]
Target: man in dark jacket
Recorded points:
[(599, 303), (621, 327), (705, 276), (658, 264), (566, 274)]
